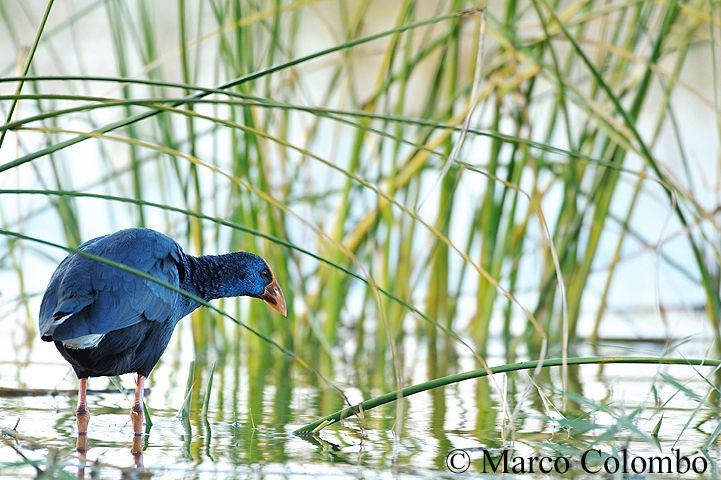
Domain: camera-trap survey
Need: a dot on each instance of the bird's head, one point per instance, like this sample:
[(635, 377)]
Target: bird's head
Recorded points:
[(260, 282)]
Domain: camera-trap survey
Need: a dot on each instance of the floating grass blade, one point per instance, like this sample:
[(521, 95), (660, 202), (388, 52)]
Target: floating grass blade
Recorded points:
[(513, 367), (657, 428)]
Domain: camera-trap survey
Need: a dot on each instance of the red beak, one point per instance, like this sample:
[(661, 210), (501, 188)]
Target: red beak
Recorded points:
[(273, 296)]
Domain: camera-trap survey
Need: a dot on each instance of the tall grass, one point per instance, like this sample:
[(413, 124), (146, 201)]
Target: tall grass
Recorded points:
[(399, 188)]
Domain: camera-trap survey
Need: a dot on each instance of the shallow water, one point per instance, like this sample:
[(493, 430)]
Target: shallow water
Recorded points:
[(248, 428)]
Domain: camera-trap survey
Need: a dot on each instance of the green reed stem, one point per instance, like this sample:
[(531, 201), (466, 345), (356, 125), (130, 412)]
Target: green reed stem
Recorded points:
[(185, 410), (26, 68), (389, 397), (160, 104), (244, 79)]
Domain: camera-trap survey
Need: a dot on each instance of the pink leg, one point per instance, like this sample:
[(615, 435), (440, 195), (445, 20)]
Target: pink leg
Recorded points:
[(82, 412), (137, 412), (82, 416)]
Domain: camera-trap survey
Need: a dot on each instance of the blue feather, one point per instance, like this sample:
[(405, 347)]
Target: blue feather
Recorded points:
[(101, 298)]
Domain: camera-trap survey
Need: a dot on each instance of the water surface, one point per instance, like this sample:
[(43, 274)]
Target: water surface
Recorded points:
[(248, 428)]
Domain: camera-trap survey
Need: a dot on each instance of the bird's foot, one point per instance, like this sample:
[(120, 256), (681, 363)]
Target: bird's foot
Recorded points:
[(137, 416)]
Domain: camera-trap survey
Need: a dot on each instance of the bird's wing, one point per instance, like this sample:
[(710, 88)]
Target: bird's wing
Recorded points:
[(87, 297)]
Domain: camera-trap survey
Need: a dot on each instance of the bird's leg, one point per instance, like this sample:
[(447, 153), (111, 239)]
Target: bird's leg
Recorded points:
[(82, 413), (82, 416), (137, 411)]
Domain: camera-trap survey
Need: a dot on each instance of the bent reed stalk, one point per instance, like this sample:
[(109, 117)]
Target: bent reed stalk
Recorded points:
[(389, 397)]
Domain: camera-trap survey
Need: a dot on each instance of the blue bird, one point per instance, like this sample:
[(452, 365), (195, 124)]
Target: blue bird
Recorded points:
[(106, 321)]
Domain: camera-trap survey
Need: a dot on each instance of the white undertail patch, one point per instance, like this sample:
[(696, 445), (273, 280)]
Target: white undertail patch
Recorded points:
[(84, 342)]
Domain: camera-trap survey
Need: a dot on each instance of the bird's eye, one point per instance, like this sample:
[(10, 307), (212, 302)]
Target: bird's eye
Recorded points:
[(265, 274)]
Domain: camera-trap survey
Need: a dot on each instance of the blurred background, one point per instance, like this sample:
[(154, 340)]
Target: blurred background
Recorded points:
[(436, 185)]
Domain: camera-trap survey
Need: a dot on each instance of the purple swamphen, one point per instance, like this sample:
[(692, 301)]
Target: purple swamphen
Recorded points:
[(107, 321)]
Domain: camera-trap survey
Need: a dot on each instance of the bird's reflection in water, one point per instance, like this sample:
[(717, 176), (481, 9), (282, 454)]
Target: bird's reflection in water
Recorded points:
[(81, 446), (139, 443), (137, 451)]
